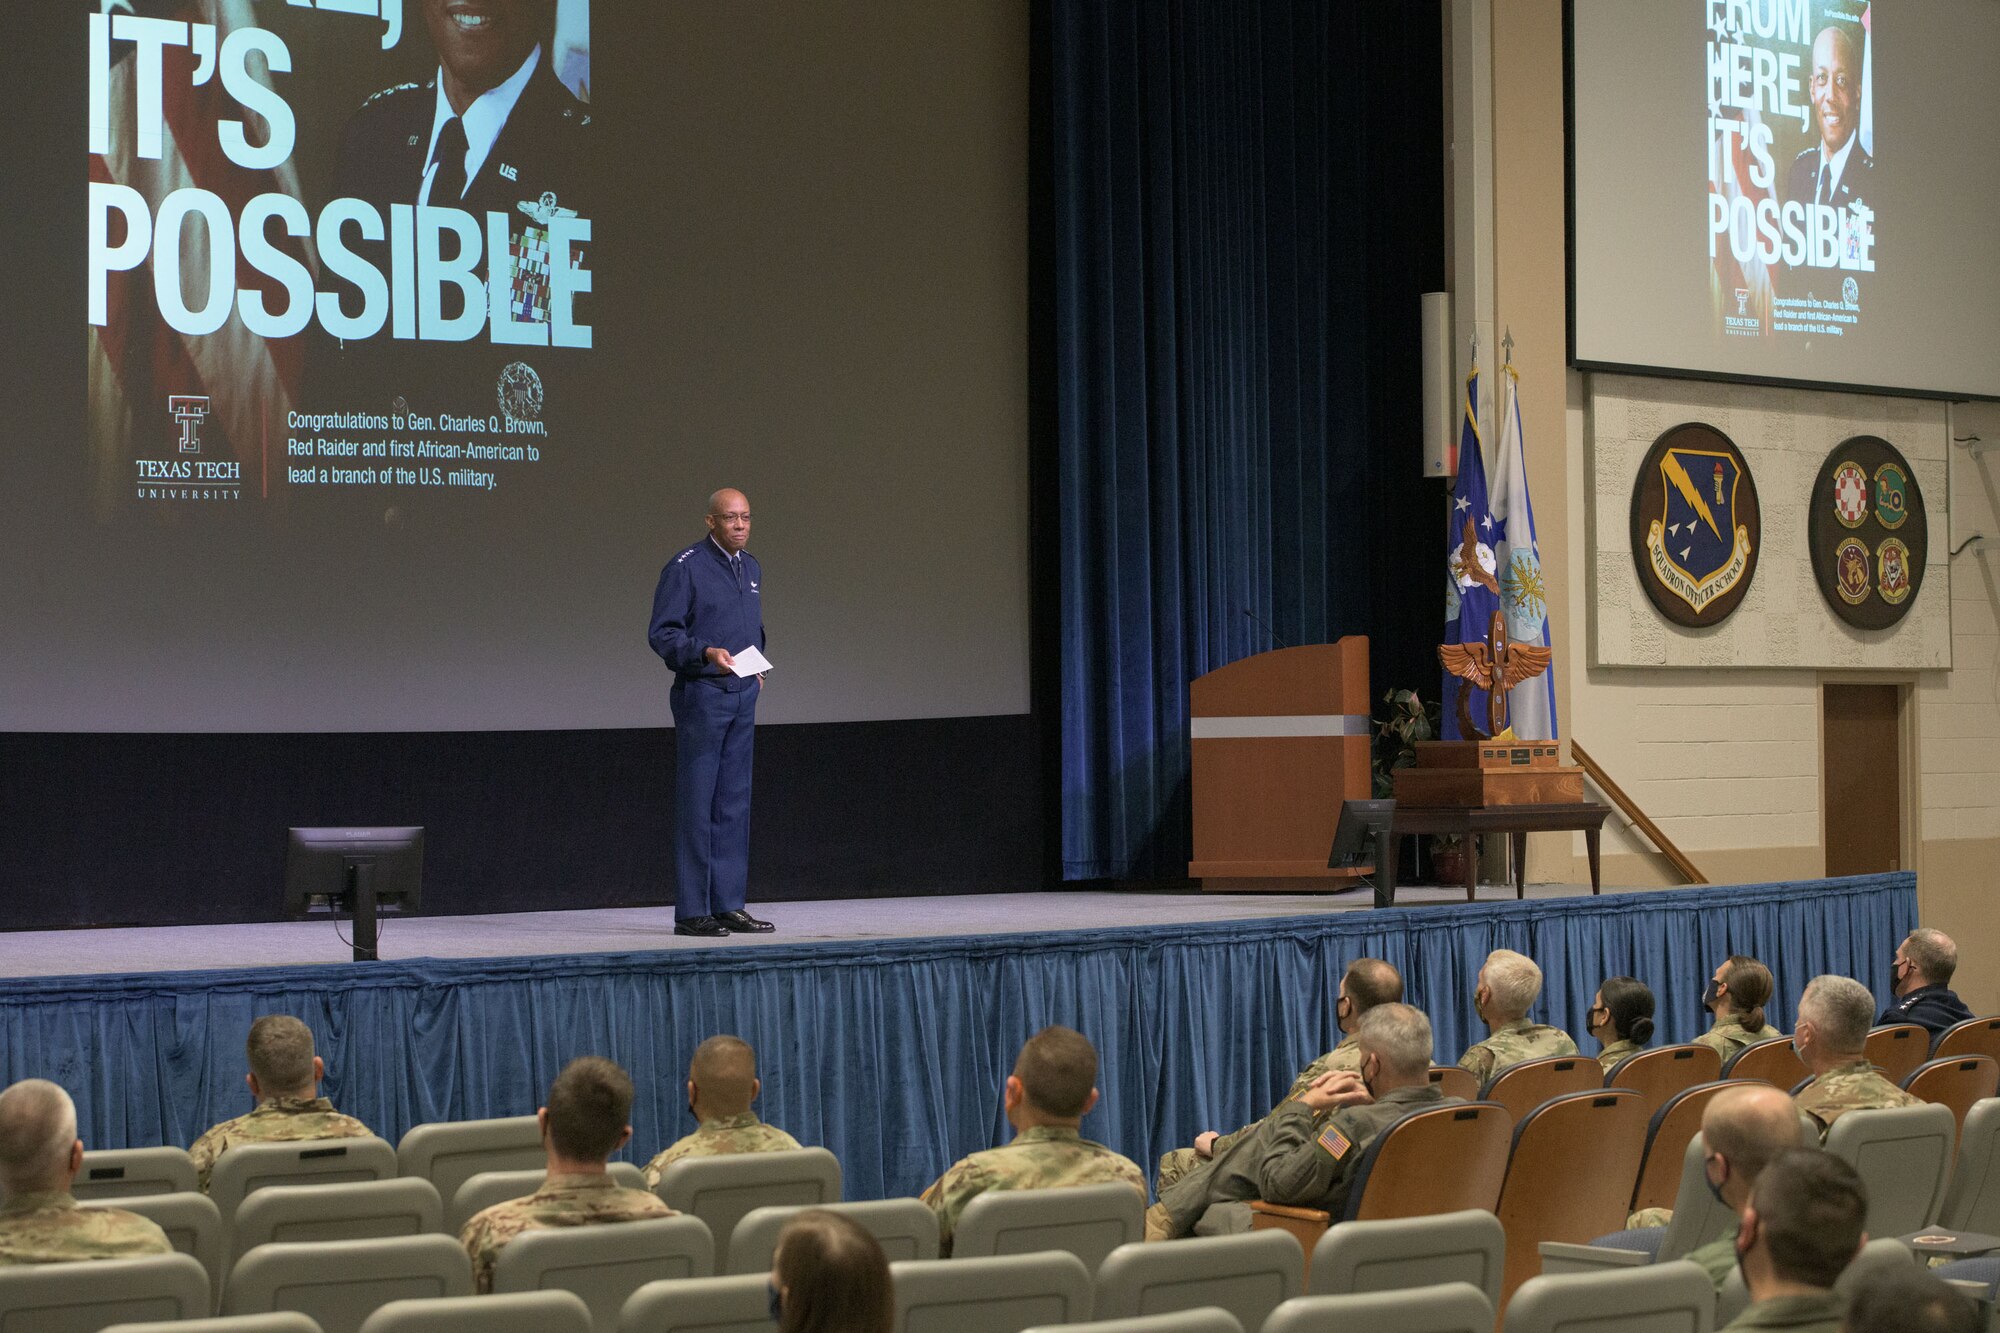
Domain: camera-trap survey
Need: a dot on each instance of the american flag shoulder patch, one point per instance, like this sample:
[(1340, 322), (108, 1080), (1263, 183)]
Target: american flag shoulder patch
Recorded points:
[(1336, 1143)]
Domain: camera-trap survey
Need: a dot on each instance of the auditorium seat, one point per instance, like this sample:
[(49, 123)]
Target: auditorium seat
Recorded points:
[(278, 1321), (1973, 1201), (1903, 1156), (1468, 1246), (1569, 1175), (1249, 1276), (354, 1210), (605, 1264), (339, 1283), (720, 1190), (996, 1294), (1957, 1081), (1875, 1258), (1975, 1036), (87, 1297), (1668, 1130), (1452, 1307), (1207, 1319), (120, 1173), (1088, 1221), (516, 1312), (193, 1225), (1773, 1062), (477, 1193), (1699, 1217), (1660, 1075), (1522, 1087), (1455, 1082), (1897, 1049), (1669, 1295), (240, 1171), (906, 1229), (1436, 1159), (449, 1153), (739, 1304)]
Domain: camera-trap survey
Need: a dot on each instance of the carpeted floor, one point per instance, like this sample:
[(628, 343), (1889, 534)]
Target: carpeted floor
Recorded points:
[(625, 930)]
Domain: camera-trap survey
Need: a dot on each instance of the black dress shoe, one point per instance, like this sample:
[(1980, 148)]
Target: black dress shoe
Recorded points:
[(742, 923), (710, 926)]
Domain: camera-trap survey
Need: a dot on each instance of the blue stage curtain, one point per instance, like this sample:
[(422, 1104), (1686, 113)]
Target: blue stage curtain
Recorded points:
[(1247, 198), (892, 1054)]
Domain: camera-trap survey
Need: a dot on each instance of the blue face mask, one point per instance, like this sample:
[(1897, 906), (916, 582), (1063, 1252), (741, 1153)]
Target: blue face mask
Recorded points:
[(777, 1302)]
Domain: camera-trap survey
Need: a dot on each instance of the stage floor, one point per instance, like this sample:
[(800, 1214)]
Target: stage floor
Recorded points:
[(55, 953)]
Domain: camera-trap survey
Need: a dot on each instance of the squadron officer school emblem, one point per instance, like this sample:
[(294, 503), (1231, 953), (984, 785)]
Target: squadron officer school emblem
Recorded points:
[(1696, 527), (1866, 491)]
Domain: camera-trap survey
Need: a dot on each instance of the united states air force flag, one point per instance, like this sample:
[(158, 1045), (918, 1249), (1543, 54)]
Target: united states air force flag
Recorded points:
[(1531, 708), (1472, 585)]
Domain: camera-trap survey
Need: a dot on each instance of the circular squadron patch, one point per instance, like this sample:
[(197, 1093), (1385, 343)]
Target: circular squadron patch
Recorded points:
[(1695, 527), (1866, 491)]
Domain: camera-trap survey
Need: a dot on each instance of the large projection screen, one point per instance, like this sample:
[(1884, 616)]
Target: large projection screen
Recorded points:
[(305, 435), (1790, 191)]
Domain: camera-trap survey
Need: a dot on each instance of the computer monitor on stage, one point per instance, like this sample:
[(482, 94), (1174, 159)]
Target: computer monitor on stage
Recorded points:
[(360, 873), (1356, 837)]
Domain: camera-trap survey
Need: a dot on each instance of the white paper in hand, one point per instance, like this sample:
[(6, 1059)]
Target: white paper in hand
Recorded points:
[(749, 662)]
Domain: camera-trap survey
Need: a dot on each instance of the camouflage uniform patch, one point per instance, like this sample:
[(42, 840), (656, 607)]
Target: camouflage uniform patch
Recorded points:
[(562, 1201), (1729, 1036), (1510, 1044), (279, 1120), (1616, 1051), (1041, 1157), (1180, 1161), (1852, 1087), (51, 1228), (720, 1136)]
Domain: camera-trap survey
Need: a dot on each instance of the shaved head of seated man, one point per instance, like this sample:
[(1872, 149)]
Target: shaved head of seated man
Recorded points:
[(1742, 1129), (40, 1221), (1835, 1014), (1509, 985), (1053, 1086), (722, 1083), (1367, 983), (284, 1077)]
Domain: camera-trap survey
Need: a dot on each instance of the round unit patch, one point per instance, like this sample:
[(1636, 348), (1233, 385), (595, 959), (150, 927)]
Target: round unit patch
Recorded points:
[(1868, 533), (1695, 526), (1850, 494)]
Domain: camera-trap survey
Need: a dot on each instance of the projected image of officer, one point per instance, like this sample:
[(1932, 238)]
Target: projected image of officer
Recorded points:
[(1835, 170)]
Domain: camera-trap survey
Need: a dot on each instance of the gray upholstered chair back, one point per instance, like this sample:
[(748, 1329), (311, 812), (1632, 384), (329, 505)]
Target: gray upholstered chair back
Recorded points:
[(605, 1264), (339, 1283), (117, 1173), (87, 1297), (1248, 1275), (1088, 1221), (720, 1190), (1671, 1297), (999, 1294), (1903, 1156), (1356, 1257), (1451, 1307), (700, 1305), (452, 1152), (516, 1312), (906, 1228)]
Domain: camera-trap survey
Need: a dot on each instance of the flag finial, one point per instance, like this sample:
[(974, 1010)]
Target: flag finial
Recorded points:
[(1507, 346)]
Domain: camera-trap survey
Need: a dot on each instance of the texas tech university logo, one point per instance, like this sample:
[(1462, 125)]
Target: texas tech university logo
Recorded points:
[(190, 411)]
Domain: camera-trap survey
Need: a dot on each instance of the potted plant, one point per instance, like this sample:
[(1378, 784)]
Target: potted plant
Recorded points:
[(1403, 719)]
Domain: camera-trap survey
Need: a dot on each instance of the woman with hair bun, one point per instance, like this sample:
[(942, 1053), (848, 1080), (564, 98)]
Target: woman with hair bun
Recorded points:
[(1736, 995), (1621, 1017)]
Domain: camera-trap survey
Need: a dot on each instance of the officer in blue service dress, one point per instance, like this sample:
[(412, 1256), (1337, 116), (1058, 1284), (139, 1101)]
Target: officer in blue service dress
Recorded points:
[(708, 607)]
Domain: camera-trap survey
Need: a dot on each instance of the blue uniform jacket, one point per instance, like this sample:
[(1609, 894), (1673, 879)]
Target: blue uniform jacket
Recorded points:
[(1936, 1007), (698, 606)]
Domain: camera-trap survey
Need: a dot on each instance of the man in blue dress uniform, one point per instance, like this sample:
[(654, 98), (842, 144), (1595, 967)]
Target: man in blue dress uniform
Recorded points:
[(707, 609)]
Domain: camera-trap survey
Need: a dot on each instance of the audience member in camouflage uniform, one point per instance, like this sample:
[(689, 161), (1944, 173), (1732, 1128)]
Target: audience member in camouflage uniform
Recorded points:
[(1305, 1152), (284, 1078), (1368, 982), (1801, 1228), (1052, 1088), (1621, 1017), (40, 1223), (587, 1119), (722, 1083), (1509, 984), (1736, 995), (1835, 1014), (1743, 1128)]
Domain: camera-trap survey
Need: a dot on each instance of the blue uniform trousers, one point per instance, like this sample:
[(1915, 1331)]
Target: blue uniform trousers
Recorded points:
[(714, 730)]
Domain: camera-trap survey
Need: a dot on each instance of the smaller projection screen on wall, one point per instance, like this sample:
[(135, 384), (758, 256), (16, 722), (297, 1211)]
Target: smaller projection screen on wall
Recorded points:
[(1790, 191)]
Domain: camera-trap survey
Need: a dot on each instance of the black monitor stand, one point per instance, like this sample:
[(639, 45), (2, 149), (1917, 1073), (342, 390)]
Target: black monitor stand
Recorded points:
[(359, 899)]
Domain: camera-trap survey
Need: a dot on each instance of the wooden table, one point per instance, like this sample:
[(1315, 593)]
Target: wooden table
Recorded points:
[(1518, 821)]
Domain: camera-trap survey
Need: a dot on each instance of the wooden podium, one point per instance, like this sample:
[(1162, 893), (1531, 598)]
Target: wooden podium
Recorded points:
[(1279, 740)]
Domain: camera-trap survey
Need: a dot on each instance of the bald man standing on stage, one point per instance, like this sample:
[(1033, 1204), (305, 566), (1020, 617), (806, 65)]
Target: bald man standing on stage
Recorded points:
[(707, 609)]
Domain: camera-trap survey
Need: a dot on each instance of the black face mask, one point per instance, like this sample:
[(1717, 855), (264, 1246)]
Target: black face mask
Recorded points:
[(777, 1302), (1713, 1188), (1710, 997)]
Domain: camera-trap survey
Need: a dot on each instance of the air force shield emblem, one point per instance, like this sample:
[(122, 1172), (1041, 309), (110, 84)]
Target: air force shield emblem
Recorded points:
[(1696, 545)]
